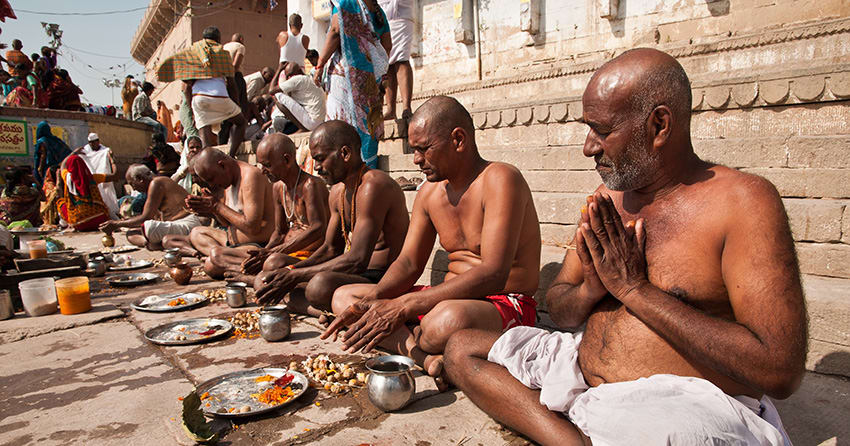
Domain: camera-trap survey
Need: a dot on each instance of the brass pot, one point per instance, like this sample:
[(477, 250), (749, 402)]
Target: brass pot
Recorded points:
[(108, 240), (181, 273)]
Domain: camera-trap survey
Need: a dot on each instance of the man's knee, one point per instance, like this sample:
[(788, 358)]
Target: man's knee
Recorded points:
[(274, 261), (212, 270), (342, 298), (441, 323), (320, 290), (459, 349), (215, 257)]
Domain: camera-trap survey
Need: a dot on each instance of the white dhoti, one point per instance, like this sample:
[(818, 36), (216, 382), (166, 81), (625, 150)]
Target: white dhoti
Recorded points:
[(659, 410), (154, 230), (212, 110), (298, 111), (401, 32), (98, 161)]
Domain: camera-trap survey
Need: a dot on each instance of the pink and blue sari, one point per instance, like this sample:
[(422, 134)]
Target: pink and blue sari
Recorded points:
[(354, 73)]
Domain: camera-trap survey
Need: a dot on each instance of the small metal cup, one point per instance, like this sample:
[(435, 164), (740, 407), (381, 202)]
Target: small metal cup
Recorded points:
[(236, 294), (391, 385), (172, 256)]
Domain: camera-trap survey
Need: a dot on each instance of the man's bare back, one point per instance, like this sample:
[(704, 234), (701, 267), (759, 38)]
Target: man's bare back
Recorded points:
[(458, 217), (253, 189), (172, 206)]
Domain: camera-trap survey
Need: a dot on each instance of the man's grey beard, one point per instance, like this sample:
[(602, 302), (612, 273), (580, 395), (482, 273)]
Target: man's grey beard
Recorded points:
[(633, 170)]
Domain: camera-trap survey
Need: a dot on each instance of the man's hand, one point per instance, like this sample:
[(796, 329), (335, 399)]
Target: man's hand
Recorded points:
[(254, 263), (317, 76), (276, 285), (203, 204), (109, 227), (617, 252), (591, 282), (369, 322)]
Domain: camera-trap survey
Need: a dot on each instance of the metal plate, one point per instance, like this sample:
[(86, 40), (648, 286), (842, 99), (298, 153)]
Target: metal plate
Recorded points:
[(132, 279), (234, 391), (134, 264), (167, 334), (33, 231), (159, 303)]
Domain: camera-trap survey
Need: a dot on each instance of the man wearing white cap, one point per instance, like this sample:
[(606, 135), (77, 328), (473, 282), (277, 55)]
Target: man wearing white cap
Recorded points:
[(99, 159)]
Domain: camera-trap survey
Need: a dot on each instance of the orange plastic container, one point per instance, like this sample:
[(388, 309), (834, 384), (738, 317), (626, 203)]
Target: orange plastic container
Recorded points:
[(74, 295)]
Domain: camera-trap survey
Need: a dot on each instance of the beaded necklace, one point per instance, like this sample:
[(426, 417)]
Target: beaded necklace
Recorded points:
[(363, 169), (294, 198)]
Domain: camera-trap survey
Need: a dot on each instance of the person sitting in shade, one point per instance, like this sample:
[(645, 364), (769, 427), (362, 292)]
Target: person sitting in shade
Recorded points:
[(164, 212), (299, 99), (143, 110), (301, 213)]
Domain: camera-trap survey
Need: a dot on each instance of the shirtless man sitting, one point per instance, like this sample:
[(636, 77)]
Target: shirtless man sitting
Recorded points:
[(301, 214), (242, 202), (693, 308), (365, 233), (164, 212), (485, 217)]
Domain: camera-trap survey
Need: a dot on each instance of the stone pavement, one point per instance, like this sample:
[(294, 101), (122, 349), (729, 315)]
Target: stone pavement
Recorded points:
[(94, 379)]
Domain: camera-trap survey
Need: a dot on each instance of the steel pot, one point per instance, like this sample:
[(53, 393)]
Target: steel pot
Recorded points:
[(98, 265), (172, 257), (274, 323), (236, 294), (390, 385)]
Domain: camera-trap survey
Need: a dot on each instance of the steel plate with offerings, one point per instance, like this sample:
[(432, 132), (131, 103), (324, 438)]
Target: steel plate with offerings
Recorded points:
[(189, 331), (130, 265), (161, 303), (133, 279), (251, 392), (119, 249)]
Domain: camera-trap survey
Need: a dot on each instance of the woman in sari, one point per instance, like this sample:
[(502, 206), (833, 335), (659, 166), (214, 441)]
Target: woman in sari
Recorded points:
[(128, 93), (351, 67), (49, 151), (80, 203), (63, 93), (19, 199)]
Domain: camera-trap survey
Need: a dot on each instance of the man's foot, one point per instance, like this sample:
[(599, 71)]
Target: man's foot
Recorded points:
[(406, 114), (389, 115), (433, 366)]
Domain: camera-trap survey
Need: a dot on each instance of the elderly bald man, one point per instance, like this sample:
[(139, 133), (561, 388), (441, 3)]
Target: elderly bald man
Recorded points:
[(164, 212), (240, 199), (685, 275), (301, 214), (485, 217)]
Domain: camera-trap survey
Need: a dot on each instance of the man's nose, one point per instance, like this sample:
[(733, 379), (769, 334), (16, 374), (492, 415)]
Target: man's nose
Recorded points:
[(591, 145), (418, 158)]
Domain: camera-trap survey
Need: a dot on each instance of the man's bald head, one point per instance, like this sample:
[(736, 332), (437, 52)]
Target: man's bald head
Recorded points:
[(292, 69), (443, 114), (642, 79), (335, 146), (276, 156), (212, 165), (237, 38)]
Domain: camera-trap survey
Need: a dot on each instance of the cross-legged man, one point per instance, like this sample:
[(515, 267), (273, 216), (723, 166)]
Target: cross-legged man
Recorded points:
[(485, 217), (301, 213), (684, 275), (368, 221)]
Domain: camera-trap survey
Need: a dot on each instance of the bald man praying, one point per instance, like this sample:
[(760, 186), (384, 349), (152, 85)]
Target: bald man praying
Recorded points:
[(240, 199), (685, 281), (485, 217), (301, 214)]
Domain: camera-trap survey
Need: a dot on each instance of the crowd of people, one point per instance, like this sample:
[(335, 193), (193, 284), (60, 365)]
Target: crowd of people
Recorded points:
[(674, 330), (37, 81)]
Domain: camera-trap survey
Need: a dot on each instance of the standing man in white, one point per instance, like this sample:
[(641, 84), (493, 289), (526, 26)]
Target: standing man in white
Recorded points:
[(400, 74), (98, 158), (293, 46)]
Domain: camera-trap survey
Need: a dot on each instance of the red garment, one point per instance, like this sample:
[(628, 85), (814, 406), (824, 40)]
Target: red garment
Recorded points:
[(6, 11), (516, 309), (80, 174)]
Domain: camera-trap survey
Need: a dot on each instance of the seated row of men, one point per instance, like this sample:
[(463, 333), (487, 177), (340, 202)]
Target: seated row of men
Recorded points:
[(682, 280)]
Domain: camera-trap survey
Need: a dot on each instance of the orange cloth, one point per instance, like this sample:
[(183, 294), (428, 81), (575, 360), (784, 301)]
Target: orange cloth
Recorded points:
[(15, 57), (163, 115), (302, 255)]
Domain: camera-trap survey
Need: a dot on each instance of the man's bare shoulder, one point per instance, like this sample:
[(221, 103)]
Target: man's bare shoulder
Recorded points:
[(315, 183), (378, 180), (498, 175), (733, 188), (164, 182)]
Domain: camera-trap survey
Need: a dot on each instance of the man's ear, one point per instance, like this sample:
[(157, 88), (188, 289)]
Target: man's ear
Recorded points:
[(458, 136), (661, 125), (345, 152)]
